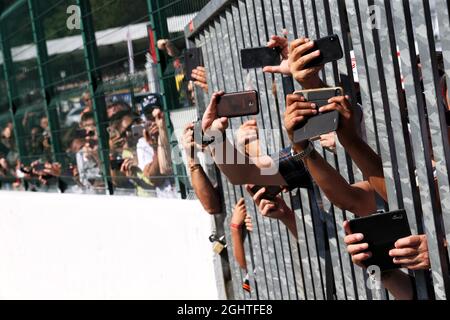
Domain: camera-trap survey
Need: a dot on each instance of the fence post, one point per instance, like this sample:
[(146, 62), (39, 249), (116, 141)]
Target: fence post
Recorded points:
[(96, 88), (168, 96), (47, 88)]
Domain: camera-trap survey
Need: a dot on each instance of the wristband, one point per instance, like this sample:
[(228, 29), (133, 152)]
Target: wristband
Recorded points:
[(236, 226), (305, 153)]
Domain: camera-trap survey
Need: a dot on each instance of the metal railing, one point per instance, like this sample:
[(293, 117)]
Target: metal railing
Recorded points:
[(404, 121)]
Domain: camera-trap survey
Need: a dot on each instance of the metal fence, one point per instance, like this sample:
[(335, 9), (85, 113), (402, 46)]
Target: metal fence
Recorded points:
[(404, 121), (48, 62)]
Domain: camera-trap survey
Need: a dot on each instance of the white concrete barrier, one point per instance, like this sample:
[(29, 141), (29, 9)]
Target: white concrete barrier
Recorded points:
[(55, 246)]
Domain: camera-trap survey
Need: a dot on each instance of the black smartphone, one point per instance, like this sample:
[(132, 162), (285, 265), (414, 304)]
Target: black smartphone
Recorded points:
[(322, 123), (447, 117), (116, 163), (137, 130), (260, 57), (199, 137), (193, 58), (330, 50), (238, 104), (381, 231), (271, 191)]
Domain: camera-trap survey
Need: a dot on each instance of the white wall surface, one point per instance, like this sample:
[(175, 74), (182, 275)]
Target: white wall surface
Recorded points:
[(102, 247)]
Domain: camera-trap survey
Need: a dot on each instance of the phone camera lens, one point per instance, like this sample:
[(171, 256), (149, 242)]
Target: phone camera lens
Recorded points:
[(332, 39), (338, 92)]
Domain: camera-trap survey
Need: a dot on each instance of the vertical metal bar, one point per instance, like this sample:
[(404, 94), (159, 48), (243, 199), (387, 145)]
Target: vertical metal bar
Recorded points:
[(241, 22), (364, 82), (305, 284), (315, 11), (432, 94), (95, 88), (158, 25), (444, 28), (213, 81), (256, 27), (276, 100), (8, 70), (230, 34), (390, 60), (44, 78)]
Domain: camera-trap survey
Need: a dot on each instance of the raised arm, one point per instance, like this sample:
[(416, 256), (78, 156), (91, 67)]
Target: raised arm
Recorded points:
[(226, 155), (275, 209), (165, 161), (237, 237), (208, 195), (365, 158), (358, 198)]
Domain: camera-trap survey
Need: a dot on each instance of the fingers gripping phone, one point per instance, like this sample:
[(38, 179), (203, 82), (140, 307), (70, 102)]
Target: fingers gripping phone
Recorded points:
[(330, 50), (313, 127), (271, 191), (381, 231), (260, 57), (238, 104)]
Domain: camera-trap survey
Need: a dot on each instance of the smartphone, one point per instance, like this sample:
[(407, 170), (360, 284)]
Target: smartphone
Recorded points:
[(271, 191), (116, 163), (238, 104), (447, 117), (193, 58), (137, 130), (322, 123), (260, 57), (381, 231), (330, 50)]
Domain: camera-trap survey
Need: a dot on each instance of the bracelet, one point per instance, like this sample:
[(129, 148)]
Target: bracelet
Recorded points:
[(305, 153), (236, 226)]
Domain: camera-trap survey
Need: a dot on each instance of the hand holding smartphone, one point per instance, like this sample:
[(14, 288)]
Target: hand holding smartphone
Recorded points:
[(313, 127), (381, 231), (330, 50)]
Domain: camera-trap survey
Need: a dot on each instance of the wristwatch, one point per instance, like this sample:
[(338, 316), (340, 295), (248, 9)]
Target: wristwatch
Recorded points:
[(305, 153)]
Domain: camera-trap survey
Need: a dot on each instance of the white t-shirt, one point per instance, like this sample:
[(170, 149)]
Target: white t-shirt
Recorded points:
[(145, 154)]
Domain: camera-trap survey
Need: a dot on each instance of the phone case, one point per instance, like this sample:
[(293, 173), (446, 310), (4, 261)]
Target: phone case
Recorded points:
[(381, 231), (330, 50), (322, 123), (260, 57), (238, 104), (193, 58)]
